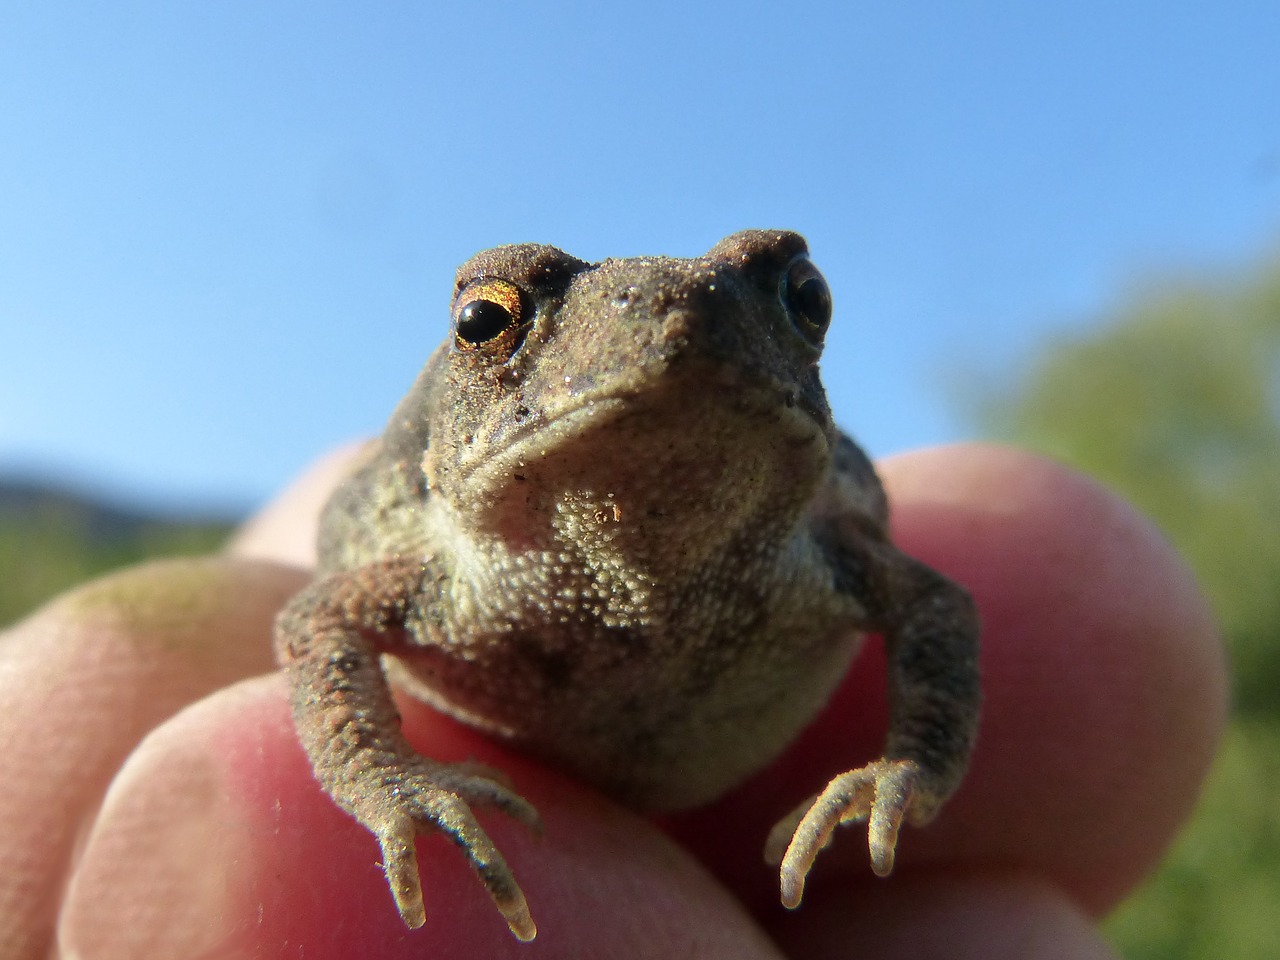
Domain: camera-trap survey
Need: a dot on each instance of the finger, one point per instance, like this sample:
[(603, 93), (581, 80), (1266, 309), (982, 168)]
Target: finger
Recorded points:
[(215, 839), (1103, 679), (941, 916), (284, 531), (83, 679), (1107, 681)]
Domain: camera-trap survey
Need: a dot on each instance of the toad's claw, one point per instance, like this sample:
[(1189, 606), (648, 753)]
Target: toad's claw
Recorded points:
[(401, 867), (880, 792), (437, 797)]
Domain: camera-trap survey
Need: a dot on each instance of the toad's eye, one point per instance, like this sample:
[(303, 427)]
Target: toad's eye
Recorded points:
[(489, 315), (807, 298)]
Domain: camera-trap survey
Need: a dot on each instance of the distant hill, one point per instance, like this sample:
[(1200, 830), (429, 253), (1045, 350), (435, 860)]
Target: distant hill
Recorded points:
[(52, 537)]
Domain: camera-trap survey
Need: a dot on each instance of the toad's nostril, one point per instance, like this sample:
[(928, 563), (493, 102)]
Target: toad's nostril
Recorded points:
[(625, 296), (678, 327)]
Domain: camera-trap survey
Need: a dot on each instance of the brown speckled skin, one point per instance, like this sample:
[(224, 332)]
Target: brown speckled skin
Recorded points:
[(627, 537)]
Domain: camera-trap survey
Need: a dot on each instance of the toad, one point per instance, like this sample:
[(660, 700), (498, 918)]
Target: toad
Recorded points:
[(614, 525)]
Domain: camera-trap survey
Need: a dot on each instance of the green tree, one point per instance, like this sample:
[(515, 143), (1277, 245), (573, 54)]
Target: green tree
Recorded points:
[(1175, 402)]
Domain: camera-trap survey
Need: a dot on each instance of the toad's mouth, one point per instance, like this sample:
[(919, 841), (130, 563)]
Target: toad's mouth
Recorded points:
[(687, 452), (608, 420)]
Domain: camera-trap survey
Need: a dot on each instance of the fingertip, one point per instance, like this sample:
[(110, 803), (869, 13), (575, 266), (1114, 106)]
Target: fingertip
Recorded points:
[(1104, 674), (285, 529)]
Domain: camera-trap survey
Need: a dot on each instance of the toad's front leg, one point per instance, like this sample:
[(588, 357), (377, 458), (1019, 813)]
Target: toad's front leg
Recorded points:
[(329, 639), (930, 627)]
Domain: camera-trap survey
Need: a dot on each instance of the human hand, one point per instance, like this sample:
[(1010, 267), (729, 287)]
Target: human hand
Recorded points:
[(1105, 693)]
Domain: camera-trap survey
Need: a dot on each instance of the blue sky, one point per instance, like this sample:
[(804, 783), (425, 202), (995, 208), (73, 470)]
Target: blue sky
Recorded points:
[(227, 230)]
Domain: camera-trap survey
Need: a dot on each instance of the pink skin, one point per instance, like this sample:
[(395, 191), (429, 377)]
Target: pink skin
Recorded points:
[(1105, 695)]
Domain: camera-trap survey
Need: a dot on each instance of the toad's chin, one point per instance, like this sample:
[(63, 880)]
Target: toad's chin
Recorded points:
[(618, 462)]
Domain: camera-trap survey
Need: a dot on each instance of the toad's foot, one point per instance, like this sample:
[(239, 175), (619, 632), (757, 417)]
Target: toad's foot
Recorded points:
[(881, 792), (422, 796)]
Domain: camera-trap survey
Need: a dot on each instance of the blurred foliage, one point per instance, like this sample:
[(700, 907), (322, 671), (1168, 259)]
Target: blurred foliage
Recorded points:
[(1217, 893), (50, 541), (1175, 403)]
